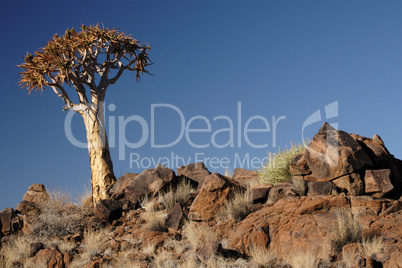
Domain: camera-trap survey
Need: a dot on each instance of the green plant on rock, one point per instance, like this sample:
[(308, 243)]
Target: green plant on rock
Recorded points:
[(277, 169)]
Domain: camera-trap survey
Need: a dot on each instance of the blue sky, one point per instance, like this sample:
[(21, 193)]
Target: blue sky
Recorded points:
[(281, 59)]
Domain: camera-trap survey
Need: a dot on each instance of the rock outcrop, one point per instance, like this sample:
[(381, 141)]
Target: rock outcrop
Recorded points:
[(345, 191), (354, 164)]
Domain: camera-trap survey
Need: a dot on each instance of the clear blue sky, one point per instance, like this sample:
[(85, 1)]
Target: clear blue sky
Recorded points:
[(273, 58)]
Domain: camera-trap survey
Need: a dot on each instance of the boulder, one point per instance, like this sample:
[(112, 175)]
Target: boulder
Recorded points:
[(108, 210), (289, 225), (150, 182), (209, 250), (378, 182), (174, 218), (6, 219), (246, 178), (36, 193), (280, 191), (334, 153), (299, 166), (259, 193), (363, 261), (319, 188), (51, 257), (381, 157), (352, 184), (26, 208), (119, 188), (213, 194), (196, 171)]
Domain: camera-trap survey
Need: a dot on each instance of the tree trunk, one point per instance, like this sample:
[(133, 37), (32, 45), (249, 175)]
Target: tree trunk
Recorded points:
[(102, 176)]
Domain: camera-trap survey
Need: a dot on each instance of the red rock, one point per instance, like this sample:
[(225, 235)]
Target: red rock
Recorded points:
[(380, 257), (288, 226), (209, 250), (363, 261), (299, 166), (334, 153), (280, 191), (26, 208), (246, 177), (319, 188), (196, 171), (213, 194), (108, 210), (351, 183), (395, 261), (259, 194), (119, 188), (6, 217), (174, 218), (52, 257), (378, 182), (381, 158), (37, 187), (149, 182), (35, 197)]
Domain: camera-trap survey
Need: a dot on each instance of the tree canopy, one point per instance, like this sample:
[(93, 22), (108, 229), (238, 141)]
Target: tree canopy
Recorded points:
[(94, 57)]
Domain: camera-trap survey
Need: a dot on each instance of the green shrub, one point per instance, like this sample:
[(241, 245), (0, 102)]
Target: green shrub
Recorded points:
[(277, 169)]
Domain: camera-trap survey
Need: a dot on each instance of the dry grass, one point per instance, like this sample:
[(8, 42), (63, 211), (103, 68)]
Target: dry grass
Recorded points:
[(82, 198), (17, 250), (180, 194), (302, 260), (95, 240), (59, 217), (197, 234), (62, 245), (93, 244), (277, 169), (367, 247), (263, 257), (155, 221), (237, 207), (163, 259), (349, 229), (148, 204)]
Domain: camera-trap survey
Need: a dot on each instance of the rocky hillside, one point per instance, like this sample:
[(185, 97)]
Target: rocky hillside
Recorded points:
[(342, 208)]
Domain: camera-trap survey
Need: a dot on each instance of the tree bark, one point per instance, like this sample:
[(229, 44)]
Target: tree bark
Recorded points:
[(102, 176)]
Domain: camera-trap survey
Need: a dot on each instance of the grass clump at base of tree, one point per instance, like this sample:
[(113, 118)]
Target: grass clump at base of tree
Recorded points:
[(277, 169)]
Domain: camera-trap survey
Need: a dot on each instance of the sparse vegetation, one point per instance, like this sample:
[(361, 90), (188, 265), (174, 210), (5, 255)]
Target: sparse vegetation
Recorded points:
[(17, 250), (277, 168), (155, 220), (263, 256), (366, 247), (180, 194), (197, 234), (237, 207), (302, 259), (59, 216), (349, 229)]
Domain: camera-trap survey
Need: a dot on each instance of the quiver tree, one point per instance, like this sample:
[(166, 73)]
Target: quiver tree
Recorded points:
[(87, 62)]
